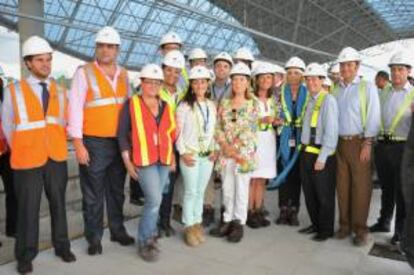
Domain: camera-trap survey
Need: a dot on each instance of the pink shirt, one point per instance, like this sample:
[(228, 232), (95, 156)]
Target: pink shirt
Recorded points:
[(77, 98)]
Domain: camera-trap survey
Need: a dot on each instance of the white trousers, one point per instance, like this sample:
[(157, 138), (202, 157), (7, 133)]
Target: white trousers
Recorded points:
[(235, 193)]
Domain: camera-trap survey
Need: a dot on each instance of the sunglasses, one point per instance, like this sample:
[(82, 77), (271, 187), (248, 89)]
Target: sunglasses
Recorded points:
[(234, 113)]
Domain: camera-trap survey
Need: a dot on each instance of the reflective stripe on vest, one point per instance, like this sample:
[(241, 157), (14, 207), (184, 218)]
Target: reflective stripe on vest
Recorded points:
[(23, 115), (141, 130), (172, 99), (288, 117), (362, 92), (398, 116), (98, 101)]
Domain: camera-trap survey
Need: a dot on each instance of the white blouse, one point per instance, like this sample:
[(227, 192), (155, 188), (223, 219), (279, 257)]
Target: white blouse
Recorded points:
[(196, 127)]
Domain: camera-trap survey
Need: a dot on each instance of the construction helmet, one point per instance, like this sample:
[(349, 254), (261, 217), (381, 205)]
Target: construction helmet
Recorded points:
[(35, 45), (240, 69), (152, 71), (244, 54), (199, 72), (197, 53), (401, 58), (174, 59), (170, 38), (108, 35), (295, 62), (315, 69), (349, 54), (223, 56)]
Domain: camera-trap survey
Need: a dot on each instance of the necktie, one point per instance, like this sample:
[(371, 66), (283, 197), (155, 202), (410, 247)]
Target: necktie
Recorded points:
[(45, 96)]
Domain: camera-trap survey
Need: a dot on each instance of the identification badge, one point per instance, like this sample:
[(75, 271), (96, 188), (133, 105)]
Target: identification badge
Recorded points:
[(292, 143), (155, 137)]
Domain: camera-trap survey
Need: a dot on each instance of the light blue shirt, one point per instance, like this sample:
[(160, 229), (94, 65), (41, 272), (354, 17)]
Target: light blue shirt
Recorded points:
[(7, 112), (327, 126), (350, 118), (390, 106)]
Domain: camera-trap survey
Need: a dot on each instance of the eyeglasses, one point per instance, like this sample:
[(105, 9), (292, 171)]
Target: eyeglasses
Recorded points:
[(234, 113)]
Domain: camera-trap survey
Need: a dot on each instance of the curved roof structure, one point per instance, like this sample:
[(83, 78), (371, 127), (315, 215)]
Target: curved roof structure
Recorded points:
[(315, 30)]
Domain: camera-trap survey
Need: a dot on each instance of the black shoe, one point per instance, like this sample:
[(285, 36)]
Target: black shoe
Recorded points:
[(308, 230), (253, 220), (66, 256), (379, 228), (321, 237), (283, 216), (262, 219), (236, 232), (165, 230), (293, 216), (208, 216), (221, 230), (123, 239), (24, 267), (395, 239), (94, 249)]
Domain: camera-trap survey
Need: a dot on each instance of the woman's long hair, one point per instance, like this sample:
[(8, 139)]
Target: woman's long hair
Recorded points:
[(190, 97), (247, 93), (256, 88)]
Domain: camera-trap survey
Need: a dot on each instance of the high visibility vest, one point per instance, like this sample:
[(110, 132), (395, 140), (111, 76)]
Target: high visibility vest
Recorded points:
[(151, 142), (37, 137), (103, 104), (312, 147), (362, 93), (172, 99), (390, 133)]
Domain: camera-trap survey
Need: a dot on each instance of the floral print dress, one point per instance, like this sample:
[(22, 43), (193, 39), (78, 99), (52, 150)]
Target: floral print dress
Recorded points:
[(238, 128)]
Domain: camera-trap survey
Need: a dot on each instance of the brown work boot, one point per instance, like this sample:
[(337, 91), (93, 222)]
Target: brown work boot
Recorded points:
[(190, 236), (236, 232), (221, 230), (283, 216), (361, 240), (149, 252), (342, 234), (199, 233)]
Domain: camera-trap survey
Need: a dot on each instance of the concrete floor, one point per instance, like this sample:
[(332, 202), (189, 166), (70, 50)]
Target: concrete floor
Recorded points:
[(273, 250)]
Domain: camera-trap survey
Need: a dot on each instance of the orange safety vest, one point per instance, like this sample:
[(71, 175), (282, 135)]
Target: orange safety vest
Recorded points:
[(37, 137), (103, 104), (151, 142)]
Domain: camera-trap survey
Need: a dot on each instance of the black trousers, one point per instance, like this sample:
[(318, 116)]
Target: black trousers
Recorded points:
[(53, 178), (388, 160), (319, 192), (289, 191), (167, 196), (104, 178), (6, 174)]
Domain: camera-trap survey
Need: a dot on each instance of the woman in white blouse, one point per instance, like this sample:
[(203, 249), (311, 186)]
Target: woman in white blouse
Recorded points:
[(196, 119)]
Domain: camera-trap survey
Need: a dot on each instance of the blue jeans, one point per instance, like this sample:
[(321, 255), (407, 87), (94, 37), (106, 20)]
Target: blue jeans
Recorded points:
[(195, 179), (152, 179)]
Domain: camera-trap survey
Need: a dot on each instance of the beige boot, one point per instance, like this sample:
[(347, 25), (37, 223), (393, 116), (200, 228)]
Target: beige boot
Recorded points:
[(199, 232), (190, 236)]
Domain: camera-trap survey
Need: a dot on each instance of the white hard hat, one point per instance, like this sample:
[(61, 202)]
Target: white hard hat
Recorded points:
[(401, 58), (108, 35), (35, 45), (335, 69), (295, 62), (315, 69), (199, 72), (170, 38), (327, 82), (244, 54), (223, 56), (278, 69), (263, 68), (349, 54), (174, 59), (197, 53), (240, 68), (152, 71)]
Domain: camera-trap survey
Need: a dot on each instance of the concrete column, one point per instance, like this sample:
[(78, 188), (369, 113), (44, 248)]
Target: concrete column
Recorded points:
[(29, 27)]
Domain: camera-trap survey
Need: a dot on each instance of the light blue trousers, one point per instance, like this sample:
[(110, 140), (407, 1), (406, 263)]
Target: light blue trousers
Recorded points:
[(195, 179)]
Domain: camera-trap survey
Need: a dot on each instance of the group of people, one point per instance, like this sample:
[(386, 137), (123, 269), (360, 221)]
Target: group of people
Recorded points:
[(251, 127)]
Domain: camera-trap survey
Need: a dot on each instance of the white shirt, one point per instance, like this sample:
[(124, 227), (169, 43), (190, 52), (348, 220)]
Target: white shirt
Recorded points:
[(194, 136)]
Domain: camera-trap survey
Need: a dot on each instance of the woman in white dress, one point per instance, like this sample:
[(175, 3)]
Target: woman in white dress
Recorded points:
[(266, 150)]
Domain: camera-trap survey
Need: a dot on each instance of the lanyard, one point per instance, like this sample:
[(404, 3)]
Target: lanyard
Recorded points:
[(206, 117)]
